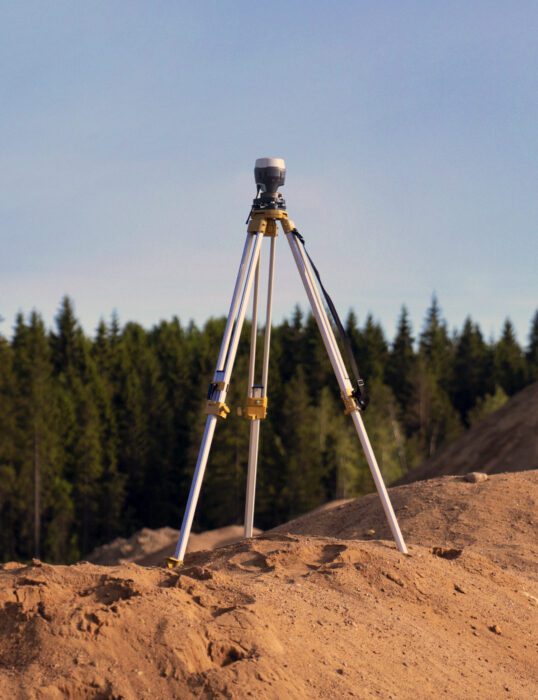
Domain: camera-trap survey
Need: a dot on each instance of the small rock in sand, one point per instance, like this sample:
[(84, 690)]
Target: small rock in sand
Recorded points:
[(475, 477), (446, 552), (495, 629)]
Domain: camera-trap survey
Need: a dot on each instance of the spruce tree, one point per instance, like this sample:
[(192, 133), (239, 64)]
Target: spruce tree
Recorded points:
[(371, 350), (401, 362), (68, 343), (369, 345), (510, 366), (143, 422), (111, 490), (430, 418), (81, 429), (435, 345), (290, 338), (472, 376), (173, 354), (302, 469), (314, 358), (40, 452), (532, 350), (9, 510), (354, 334)]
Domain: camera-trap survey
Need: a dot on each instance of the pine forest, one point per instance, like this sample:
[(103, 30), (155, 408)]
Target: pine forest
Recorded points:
[(99, 435)]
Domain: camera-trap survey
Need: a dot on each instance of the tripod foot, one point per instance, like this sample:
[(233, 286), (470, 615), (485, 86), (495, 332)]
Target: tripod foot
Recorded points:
[(172, 563)]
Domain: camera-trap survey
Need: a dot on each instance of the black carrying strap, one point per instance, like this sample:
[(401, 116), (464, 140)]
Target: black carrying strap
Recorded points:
[(359, 392), (258, 188)]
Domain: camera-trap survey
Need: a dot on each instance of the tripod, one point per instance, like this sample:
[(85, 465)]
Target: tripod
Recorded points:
[(267, 210)]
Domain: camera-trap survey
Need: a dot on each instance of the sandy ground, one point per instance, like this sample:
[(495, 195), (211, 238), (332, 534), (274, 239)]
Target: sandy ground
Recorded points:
[(151, 547), (306, 611)]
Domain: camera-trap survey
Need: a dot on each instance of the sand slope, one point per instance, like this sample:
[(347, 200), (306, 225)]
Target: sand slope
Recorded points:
[(290, 615), (497, 517), (505, 441)]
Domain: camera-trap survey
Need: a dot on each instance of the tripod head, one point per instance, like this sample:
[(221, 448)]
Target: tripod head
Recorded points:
[(269, 174)]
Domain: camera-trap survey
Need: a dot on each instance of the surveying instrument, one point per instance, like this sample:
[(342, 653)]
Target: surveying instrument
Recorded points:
[(268, 208)]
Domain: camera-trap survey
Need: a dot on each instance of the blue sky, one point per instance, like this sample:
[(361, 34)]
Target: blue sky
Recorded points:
[(129, 130)]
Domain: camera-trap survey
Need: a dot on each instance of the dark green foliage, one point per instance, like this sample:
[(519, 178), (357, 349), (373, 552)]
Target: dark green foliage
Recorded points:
[(472, 370), (532, 351), (9, 501), (511, 370), (369, 346), (486, 405), (401, 362), (39, 461), (435, 346), (99, 436)]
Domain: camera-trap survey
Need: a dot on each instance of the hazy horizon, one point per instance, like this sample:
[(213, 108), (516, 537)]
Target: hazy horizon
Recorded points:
[(6, 329)]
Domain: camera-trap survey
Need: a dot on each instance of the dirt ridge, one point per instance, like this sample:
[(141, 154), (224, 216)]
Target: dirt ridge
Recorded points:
[(504, 441), (296, 614)]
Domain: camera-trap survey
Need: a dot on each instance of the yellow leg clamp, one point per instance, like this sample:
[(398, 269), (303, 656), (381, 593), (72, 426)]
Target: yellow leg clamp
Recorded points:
[(271, 230), (350, 404), (257, 224), (172, 562), (264, 221), (217, 408), (255, 408)]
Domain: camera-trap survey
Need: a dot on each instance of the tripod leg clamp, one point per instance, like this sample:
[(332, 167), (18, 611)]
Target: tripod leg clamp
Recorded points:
[(264, 221), (217, 408), (350, 404), (287, 224), (255, 408), (172, 562), (257, 224)]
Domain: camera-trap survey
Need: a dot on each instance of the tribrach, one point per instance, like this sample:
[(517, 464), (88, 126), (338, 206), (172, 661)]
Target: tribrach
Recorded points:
[(268, 208)]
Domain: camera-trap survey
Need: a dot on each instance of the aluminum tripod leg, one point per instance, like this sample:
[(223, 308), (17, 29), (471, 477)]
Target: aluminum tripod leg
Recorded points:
[(255, 424), (236, 298), (230, 341), (345, 385), (251, 476)]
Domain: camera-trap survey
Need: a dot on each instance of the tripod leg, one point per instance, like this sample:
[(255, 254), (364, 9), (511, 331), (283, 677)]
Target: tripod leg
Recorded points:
[(234, 303), (268, 317), (220, 385), (186, 525), (251, 476), (378, 480), (345, 386), (254, 329), (255, 424)]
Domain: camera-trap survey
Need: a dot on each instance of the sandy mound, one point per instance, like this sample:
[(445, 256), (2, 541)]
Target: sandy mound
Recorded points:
[(505, 441), (497, 517), (151, 547), (294, 616)]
